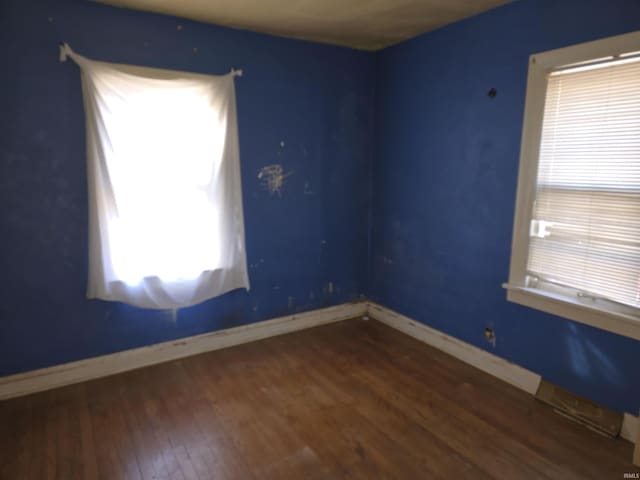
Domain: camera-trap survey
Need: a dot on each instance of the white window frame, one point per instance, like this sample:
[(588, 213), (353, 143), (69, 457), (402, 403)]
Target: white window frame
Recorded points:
[(601, 314)]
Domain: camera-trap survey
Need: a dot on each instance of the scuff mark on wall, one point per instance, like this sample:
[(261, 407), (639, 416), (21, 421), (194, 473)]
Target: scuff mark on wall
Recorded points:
[(257, 264), (321, 252), (273, 178), (172, 315), (328, 289), (307, 188)]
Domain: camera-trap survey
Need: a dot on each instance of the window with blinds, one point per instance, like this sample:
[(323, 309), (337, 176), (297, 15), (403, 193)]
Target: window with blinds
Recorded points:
[(585, 223)]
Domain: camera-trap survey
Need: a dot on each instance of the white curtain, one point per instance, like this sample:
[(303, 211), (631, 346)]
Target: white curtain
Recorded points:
[(165, 202)]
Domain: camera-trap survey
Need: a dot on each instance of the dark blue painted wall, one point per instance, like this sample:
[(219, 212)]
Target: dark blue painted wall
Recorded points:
[(306, 248), (444, 175), (444, 186)]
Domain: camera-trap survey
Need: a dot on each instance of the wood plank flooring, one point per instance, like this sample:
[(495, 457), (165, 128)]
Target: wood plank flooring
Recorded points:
[(351, 400)]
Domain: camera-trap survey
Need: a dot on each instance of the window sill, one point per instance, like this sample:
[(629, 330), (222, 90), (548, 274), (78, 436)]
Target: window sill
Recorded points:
[(615, 322)]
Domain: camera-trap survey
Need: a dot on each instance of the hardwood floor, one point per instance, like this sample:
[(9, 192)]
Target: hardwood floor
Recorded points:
[(353, 400)]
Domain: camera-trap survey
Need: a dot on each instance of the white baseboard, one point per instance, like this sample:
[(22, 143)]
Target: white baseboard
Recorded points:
[(485, 361), (498, 367), (91, 368), (630, 427), (96, 367)]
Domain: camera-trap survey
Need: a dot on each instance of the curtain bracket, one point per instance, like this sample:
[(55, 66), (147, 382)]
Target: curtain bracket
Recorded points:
[(64, 50)]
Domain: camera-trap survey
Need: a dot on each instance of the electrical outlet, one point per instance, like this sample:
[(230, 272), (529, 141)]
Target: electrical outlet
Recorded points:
[(490, 336)]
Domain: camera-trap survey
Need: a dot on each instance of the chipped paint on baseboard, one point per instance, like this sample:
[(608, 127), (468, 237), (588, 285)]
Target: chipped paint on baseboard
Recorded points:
[(481, 359), (96, 367)]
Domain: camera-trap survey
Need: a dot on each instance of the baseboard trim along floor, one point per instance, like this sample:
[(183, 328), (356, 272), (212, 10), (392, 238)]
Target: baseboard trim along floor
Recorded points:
[(96, 367), (498, 367)]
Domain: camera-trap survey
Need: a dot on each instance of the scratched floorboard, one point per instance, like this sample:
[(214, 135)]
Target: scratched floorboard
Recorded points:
[(352, 400)]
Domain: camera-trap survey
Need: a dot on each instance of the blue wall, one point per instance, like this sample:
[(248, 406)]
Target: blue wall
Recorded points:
[(306, 248), (444, 186), (437, 215)]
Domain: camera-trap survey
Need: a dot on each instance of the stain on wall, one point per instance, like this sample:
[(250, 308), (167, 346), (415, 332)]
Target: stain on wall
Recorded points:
[(273, 177), (445, 173), (312, 102)]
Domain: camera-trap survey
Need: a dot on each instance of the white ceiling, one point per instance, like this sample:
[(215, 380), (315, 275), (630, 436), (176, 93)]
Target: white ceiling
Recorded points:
[(363, 24)]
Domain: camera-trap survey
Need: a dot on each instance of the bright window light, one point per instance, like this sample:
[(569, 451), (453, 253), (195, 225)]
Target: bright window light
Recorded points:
[(160, 165), (166, 226)]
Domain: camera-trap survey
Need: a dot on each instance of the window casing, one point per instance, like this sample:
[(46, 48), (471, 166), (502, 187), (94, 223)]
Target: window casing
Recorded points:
[(576, 239)]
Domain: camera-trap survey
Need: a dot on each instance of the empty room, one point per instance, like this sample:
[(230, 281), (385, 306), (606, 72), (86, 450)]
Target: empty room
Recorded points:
[(320, 239)]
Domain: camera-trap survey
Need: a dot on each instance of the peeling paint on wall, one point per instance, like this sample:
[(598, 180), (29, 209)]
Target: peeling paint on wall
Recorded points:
[(273, 178), (283, 234)]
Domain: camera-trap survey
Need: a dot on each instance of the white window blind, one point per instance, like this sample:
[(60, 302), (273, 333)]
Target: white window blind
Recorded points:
[(585, 228)]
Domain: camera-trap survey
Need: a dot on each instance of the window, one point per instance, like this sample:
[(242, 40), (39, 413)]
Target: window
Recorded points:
[(576, 241), (166, 225)]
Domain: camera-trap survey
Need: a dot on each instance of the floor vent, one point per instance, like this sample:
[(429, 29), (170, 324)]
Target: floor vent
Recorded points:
[(581, 410)]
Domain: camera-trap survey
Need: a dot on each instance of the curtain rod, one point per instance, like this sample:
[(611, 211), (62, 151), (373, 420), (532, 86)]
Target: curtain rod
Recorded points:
[(65, 49)]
